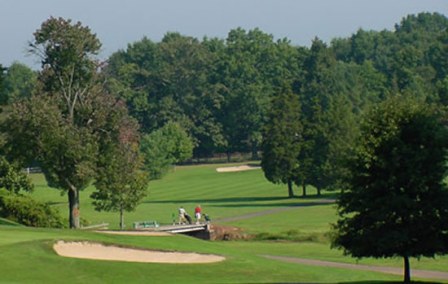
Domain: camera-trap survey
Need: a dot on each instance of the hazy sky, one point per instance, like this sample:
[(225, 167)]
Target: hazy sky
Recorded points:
[(118, 22)]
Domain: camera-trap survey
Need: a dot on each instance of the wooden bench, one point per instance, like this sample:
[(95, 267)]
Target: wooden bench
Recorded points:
[(146, 224)]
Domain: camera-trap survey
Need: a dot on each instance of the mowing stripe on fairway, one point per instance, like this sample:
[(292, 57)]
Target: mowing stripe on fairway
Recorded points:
[(273, 211)]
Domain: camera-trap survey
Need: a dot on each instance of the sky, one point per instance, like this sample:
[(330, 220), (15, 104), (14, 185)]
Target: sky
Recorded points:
[(118, 23)]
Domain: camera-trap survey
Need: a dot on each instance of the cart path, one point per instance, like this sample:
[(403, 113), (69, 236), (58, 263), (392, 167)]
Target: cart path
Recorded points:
[(275, 210), (426, 274)]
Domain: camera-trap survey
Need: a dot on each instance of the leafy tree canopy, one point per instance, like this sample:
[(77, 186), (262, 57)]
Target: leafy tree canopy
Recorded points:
[(120, 182), (165, 147), (397, 201), (63, 125), (19, 82), (12, 179)]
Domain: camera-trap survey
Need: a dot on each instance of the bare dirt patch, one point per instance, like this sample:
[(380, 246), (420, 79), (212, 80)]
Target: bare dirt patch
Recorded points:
[(87, 250), (237, 169), (227, 233)]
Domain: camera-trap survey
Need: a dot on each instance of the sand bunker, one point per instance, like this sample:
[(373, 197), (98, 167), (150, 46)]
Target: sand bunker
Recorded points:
[(237, 169), (102, 252)]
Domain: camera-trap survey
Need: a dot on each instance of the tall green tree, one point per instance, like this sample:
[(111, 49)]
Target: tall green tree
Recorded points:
[(316, 94), (61, 125), (170, 82), (134, 74), (186, 69), (250, 68), (120, 183), (282, 139), (396, 204)]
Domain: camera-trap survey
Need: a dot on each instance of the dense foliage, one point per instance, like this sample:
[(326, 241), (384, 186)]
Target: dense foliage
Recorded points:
[(283, 140), (19, 82), (220, 91), (12, 179), (120, 183), (20, 208), (64, 124), (27, 211), (397, 200), (165, 147)]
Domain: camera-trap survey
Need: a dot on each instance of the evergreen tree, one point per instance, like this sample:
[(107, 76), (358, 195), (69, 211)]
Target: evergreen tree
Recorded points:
[(282, 138), (316, 95)]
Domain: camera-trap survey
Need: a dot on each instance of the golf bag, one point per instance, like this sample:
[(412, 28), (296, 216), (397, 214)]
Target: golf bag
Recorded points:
[(188, 218)]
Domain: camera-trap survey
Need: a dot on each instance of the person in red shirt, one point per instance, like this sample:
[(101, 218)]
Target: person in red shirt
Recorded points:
[(197, 213)]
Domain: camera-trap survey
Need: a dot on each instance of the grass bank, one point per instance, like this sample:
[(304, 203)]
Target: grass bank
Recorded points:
[(242, 199)]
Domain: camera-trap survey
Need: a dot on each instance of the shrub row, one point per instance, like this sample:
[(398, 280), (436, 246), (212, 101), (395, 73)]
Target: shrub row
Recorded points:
[(27, 211)]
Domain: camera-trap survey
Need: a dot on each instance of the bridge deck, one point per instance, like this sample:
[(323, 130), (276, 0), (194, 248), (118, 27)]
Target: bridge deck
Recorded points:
[(178, 229)]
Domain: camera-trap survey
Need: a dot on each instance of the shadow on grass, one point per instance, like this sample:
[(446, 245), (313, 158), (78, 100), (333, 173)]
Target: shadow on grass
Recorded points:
[(326, 195), (329, 198), (354, 282), (51, 203), (223, 200), (309, 204), (386, 282)]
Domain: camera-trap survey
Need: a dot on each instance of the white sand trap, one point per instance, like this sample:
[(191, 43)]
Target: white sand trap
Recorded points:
[(237, 169), (88, 250), (137, 233)]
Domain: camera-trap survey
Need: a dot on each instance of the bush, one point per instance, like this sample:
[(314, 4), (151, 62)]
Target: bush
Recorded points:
[(27, 211)]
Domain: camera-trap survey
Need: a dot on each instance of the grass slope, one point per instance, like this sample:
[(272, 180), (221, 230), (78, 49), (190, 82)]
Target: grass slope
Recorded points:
[(4, 221), (27, 255), (30, 259)]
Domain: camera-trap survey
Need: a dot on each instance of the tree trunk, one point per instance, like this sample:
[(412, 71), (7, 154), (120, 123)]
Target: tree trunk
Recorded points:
[(290, 190), (121, 219), (318, 191), (303, 189), (73, 205), (229, 156), (407, 270), (254, 151)]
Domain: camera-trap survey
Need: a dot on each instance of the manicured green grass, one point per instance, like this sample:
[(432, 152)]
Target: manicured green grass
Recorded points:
[(221, 195), (311, 218), (30, 258), (8, 222), (26, 253)]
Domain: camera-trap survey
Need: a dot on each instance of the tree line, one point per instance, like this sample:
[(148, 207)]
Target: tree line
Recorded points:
[(219, 92), (195, 98), (223, 92), (365, 114)]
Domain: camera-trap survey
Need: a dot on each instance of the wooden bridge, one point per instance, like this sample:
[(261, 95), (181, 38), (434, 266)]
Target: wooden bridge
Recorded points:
[(201, 231)]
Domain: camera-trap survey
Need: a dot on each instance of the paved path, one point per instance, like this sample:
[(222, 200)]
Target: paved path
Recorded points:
[(426, 274), (273, 211)]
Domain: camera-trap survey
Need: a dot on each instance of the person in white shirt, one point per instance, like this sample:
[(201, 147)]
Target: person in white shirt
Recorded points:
[(182, 213)]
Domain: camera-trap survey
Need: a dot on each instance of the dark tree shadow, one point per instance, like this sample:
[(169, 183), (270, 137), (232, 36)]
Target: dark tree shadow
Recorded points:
[(221, 200)]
